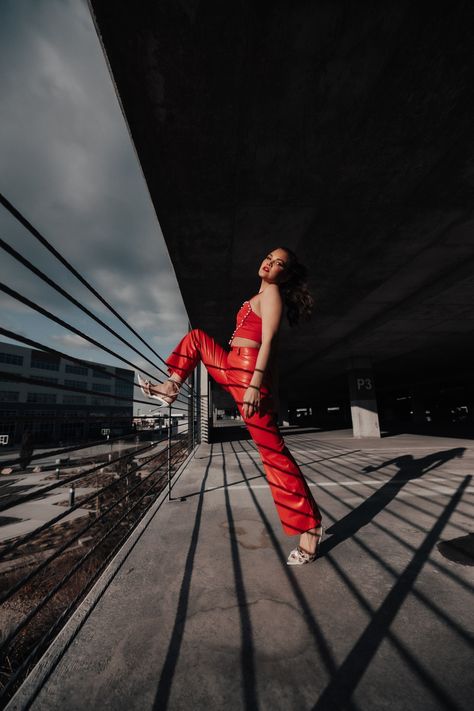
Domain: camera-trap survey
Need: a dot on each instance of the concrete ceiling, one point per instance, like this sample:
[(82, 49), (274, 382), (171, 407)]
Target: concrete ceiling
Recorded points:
[(343, 130)]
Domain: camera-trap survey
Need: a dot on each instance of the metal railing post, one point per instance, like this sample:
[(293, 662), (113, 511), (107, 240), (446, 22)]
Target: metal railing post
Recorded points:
[(191, 413), (169, 453), (198, 403)]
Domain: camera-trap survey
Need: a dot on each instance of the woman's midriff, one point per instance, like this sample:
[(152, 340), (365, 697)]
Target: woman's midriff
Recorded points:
[(238, 341), (241, 363)]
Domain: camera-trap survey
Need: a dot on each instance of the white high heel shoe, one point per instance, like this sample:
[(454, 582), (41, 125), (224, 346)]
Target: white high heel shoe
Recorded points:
[(145, 388), (299, 557)]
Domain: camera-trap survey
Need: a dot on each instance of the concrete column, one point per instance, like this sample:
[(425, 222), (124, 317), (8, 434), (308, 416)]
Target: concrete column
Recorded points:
[(364, 413), (205, 403)]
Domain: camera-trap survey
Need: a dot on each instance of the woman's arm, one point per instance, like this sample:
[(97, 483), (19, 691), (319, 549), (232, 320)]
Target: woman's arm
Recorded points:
[(271, 307)]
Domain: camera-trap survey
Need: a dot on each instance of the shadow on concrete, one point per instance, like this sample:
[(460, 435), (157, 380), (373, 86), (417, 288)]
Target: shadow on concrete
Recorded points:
[(229, 433), (247, 651), (409, 469), (169, 665), (458, 550), (344, 678), (232, 433), (456, 430), (344, 682)]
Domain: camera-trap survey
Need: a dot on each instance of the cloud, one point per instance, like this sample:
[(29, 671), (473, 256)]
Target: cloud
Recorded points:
[(72, 340), (69, 166)]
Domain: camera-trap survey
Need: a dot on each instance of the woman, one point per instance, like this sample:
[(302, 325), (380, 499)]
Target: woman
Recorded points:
[(247, 373)]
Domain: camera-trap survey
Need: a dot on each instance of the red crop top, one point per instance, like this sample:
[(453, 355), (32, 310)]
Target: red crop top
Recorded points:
[(248, 324)]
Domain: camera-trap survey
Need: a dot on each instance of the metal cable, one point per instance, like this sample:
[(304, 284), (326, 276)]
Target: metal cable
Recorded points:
[(44, 277), (16, 586), (75, 567), (5, 376), (65, 450), (37, 235), (24, 300), (59, 484), (47, 349)]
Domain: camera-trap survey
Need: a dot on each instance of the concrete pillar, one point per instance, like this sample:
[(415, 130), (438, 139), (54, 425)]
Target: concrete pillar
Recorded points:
[(364, 413), (205, 403)]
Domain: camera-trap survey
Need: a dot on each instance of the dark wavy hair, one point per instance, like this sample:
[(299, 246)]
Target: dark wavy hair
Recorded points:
[(297, 298)]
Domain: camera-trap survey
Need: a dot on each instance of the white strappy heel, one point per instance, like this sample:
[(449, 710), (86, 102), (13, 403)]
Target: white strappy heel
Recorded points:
[(299, 557), (145, 388)]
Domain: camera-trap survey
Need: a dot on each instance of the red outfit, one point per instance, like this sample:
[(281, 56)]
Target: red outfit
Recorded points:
[(233, 370), (248, 324)]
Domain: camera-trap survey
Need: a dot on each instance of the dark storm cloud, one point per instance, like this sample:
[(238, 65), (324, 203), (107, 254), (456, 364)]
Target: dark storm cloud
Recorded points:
[(67, 163)]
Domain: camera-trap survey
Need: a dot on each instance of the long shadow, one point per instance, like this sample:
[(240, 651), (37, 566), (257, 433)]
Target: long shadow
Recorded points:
[(163, 690), (391, 532), (317, 633), (162, 695), (338, 693), (247, 651), (409, 469)]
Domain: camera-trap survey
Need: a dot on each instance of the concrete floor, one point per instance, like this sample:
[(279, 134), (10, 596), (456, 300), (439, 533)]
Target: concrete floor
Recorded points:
[(203, 612)]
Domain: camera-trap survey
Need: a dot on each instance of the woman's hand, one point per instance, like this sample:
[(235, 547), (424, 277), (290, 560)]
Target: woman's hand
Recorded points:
[(251, 401)]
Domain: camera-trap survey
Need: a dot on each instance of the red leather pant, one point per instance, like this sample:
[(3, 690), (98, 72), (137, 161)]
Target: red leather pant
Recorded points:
[(233, 370)]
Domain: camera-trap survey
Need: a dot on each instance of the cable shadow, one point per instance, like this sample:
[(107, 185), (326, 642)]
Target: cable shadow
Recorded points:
[(162, 694), (222, 487), (247, 651), (391, 532), (315, 629), (338, 693), (409, 469)]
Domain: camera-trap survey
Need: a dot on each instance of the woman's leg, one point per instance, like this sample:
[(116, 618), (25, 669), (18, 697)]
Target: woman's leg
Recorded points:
[(194, 346), (294, 502)]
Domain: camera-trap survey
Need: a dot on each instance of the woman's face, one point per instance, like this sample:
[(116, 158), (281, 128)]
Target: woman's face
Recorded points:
[(274, 266)]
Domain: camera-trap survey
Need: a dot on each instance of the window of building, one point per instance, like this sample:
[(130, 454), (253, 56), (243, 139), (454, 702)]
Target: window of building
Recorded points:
[(41, 397), (46, 378), (76, 383), (74, 399), (101, 401), (101, 387), (38, 413), (11, 359), (76, 369), (42, 428), (100, 374), (39, 360), (125, 374), (125, 389), (9, 396)]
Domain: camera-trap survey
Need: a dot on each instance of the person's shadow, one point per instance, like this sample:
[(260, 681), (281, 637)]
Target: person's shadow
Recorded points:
[(409, 469)]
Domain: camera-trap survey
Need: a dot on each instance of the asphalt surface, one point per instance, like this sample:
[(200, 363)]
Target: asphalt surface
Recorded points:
[(202, 611)]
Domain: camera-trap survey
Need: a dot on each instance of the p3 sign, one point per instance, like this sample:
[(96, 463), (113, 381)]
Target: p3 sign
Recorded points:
[(361, 384), (364, 385)]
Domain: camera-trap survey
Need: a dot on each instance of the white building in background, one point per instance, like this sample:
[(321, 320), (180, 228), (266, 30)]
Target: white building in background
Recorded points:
[(52, 413)]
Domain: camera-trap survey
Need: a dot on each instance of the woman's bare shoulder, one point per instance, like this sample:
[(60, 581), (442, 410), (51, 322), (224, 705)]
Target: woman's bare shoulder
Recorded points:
[(272, 293), (271, 301)]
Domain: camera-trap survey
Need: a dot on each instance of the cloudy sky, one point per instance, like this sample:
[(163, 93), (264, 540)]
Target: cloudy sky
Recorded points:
[(68, 165)]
